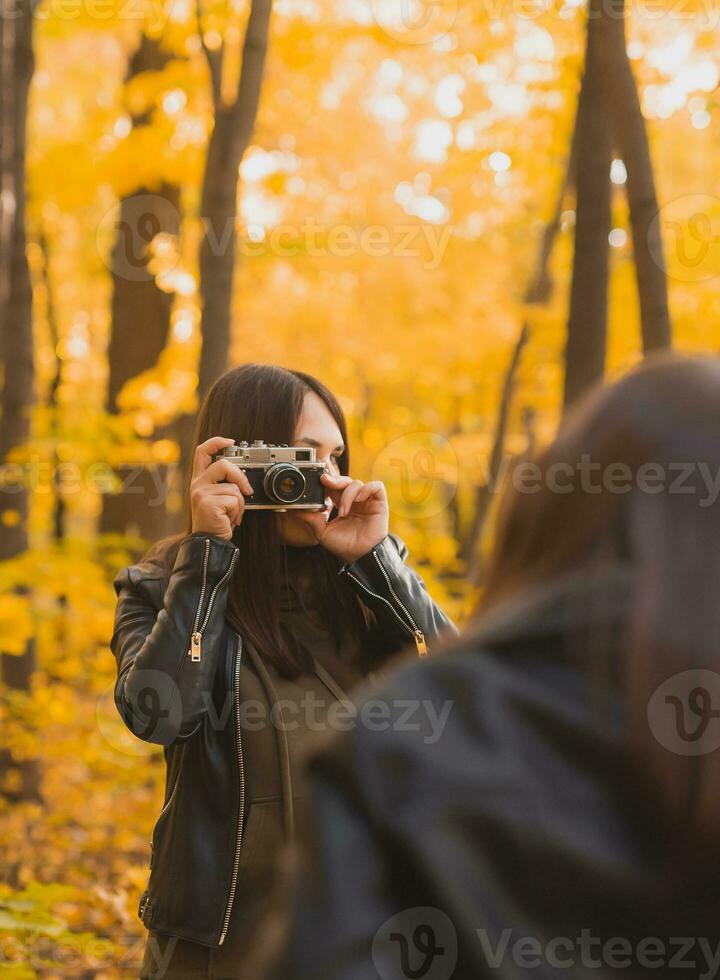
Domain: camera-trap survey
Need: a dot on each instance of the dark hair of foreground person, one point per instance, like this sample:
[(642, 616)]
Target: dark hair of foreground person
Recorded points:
[(566, 821)]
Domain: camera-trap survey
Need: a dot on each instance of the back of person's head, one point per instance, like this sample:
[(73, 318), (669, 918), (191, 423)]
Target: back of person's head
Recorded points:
[(633, 479)]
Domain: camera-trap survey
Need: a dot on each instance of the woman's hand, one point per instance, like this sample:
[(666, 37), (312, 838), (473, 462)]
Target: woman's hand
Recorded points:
[(217, 506), (362, 517)]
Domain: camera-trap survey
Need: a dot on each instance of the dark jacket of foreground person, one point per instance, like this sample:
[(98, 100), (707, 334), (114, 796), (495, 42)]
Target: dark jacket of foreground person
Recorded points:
[(521, 841)]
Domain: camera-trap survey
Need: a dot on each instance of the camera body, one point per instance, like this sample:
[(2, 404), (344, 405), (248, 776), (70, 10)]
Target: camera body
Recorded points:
[(282, 477)]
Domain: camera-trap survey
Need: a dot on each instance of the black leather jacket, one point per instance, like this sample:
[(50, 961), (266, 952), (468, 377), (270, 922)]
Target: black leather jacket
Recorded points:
[(178, 666)]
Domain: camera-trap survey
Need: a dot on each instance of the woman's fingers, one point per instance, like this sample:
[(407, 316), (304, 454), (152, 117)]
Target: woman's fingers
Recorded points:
[(335, 485), (217, 491), (205, 452), (344, 491), (222, 470), (226, 501), (222, 489), (236, 509), (232, 506), (348, 497), (335, 480), (373, 489), (208, 497)]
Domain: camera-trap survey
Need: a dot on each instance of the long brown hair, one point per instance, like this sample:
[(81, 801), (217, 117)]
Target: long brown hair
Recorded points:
[(660, 427), (263, 401)]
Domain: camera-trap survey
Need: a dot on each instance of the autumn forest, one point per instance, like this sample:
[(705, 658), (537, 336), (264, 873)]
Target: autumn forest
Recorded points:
[(460, 215)]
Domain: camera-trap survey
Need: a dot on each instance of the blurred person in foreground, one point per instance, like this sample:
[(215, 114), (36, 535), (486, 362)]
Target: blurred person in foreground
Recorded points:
[(566, 823)]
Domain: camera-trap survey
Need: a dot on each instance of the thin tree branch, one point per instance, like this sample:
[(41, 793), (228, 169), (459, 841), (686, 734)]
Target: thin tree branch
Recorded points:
[(483, 495), (214, 58), (540, 288), (50, 316), (231, 134)]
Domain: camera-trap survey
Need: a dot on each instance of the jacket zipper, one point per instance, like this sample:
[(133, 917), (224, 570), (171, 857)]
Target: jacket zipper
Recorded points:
[(414, 631), (417, 633), (241, 803), (195, 650), (196, 638)]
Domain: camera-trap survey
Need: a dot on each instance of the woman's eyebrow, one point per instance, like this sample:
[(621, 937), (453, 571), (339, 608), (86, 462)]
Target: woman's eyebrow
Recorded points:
[(316, 445)]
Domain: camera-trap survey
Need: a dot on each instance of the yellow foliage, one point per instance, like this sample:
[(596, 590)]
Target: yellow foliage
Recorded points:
[(16, 624)]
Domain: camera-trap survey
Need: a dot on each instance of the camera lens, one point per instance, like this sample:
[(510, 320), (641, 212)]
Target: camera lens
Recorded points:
[(284, 483)]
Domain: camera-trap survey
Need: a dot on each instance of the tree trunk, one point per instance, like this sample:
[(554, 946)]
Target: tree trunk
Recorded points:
[(232, 131), (16, 311), (632, 140), (587, 321), (484, 493), (140, 323), (18, 778)]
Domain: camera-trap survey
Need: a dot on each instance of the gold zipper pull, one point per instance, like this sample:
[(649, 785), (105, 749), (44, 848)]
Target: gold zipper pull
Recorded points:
[(420, 643), (195, 647)]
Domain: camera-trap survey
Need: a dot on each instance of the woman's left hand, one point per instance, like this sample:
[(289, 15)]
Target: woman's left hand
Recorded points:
[(362, 517)]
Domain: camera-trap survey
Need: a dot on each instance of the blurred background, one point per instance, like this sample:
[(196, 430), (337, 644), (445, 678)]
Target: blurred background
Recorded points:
[(459, 215)]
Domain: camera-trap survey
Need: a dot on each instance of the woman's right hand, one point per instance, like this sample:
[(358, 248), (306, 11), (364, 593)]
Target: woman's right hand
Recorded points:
[(217, 490)]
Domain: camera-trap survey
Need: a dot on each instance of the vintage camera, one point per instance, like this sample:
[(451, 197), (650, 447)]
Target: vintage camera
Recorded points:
[(283, 477)]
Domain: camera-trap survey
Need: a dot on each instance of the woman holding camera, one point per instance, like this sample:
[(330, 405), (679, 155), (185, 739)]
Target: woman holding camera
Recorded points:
[(236, 640)]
